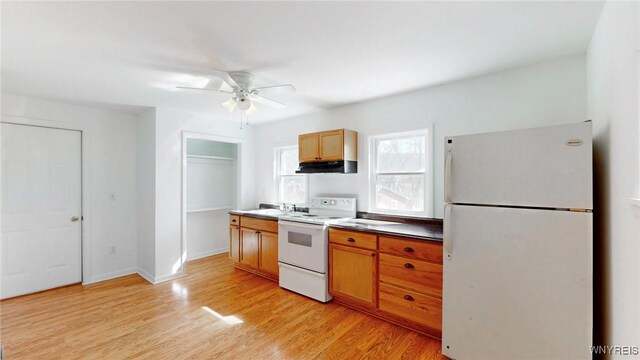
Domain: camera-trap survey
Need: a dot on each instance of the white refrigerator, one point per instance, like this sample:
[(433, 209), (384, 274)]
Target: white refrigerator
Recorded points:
[(518, 235)]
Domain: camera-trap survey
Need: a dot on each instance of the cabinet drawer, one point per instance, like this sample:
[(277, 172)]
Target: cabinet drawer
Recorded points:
[(423, 250), (413, 274), (418, 308), (259, 224), (353, 238), (234, 220)]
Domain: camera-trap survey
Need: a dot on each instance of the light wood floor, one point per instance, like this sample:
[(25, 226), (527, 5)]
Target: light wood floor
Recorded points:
[(193, 318)]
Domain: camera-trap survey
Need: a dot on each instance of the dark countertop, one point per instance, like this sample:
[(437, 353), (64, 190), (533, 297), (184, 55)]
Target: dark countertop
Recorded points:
[(256, 214), (418, 232), (430, 232)]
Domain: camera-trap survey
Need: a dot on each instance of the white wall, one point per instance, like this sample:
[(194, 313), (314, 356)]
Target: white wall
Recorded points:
[(146, 185), (612, 73), (548, 93), (170, 124), (112, 170)]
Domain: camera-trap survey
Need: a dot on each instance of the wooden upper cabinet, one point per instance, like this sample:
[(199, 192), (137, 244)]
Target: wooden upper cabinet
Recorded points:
[(353, 274), (308, 147), (331, 145), (269, 252), (249, 247)]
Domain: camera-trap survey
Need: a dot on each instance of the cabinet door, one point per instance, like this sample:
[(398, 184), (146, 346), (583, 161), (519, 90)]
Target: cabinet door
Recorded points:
[(249, 247), (308, 147), (269, 252), (331, 145), (353, 274), (234, 243)]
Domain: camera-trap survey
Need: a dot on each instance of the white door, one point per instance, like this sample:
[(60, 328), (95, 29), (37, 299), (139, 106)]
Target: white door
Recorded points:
[(549, 167), (518, 284), (41, 209)]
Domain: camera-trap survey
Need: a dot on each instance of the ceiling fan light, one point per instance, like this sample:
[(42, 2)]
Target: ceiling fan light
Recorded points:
[(230, 104), (244, 103), (251, 110)]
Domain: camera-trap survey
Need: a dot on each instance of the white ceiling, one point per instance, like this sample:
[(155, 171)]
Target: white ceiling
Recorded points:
[(126, 55)]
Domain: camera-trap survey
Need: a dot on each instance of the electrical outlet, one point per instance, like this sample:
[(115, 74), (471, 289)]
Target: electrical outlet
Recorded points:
[(112, 250)]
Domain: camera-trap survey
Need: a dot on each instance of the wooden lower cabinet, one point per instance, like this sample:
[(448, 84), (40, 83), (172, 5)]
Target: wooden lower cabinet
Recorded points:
[(396, 279), (352, 274), (234, 243), (411, 305), (253, 245), (249, 254), (269, 252)]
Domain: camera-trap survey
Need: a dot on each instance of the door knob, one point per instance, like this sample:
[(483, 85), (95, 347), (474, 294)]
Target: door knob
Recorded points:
[(75, 218)]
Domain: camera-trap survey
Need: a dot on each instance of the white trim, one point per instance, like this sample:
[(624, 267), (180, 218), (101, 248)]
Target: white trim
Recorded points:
[(112, 275), (86, 139), (183, 204), (428, 174), (635, 201), (205, 254), (145, 275)]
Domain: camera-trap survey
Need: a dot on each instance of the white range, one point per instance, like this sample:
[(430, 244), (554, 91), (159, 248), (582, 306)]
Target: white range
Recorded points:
[(303, 243)]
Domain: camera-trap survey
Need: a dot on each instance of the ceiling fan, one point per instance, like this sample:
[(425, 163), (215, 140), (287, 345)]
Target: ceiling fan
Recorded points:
[(243, 93)]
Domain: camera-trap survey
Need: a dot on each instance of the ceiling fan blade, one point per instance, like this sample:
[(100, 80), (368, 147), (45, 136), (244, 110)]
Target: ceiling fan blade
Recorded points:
[(251, 110), (206, 89), (230, 104), (263, 100), (225, 77), (288, 87)]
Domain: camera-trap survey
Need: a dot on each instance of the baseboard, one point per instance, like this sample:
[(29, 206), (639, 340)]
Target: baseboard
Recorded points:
[(145, 275), (111, 275), (206, 254), (168, 277)]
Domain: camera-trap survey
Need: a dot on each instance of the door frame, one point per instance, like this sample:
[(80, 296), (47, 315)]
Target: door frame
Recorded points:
[(85, 181), (183, 204)]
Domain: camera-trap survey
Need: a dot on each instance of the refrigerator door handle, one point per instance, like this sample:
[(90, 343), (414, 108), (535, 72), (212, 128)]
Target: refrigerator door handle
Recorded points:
[(447, 231), (447, 176)]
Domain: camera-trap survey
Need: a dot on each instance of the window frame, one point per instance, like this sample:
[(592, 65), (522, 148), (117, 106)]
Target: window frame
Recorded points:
[(277, 176), (428, 173)]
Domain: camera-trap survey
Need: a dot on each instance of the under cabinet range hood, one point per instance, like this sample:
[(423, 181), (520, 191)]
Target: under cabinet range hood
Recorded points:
[(330, 151), (336, 167)]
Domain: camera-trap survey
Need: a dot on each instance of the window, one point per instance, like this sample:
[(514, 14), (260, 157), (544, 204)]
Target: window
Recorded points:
[(291, 188), (399, 169)]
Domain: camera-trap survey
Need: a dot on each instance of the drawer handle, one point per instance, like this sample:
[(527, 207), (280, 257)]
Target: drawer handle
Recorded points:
[(408, 297), (234, 220), (351, 240), (409, 266), (408, 249)]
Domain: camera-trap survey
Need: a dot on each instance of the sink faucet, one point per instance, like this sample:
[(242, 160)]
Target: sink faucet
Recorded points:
[(288, 207)]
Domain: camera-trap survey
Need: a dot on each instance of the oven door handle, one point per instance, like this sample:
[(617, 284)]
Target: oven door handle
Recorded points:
[(300, 225)]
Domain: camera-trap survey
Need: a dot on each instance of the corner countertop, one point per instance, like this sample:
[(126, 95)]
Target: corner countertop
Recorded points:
[(429, 232), (418, 232)]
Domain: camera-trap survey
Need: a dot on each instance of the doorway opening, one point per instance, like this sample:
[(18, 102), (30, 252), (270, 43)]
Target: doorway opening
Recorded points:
[(210, 190)]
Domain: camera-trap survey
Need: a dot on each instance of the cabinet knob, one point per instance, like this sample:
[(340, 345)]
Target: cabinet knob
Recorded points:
[(408, 249), (351, 240), (409, 266), (408, 297)]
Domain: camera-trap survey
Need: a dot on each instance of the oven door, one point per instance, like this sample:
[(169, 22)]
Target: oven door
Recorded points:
[(303, 245)]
